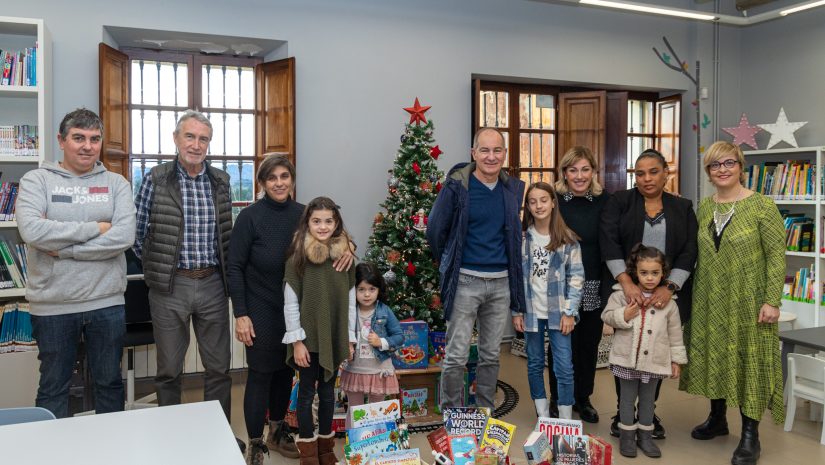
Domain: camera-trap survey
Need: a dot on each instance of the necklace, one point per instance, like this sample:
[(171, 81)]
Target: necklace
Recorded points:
[(720, 220)]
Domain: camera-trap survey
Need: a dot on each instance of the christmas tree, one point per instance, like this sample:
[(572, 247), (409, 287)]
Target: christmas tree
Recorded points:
[(397, 245)]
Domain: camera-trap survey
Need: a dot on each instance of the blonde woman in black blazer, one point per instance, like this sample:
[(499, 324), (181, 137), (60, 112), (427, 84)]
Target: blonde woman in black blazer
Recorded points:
[(648, 214)]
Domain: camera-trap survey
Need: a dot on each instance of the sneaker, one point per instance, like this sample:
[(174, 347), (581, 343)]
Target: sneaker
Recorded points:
[(614, 426), (280, 440), (658, 429)]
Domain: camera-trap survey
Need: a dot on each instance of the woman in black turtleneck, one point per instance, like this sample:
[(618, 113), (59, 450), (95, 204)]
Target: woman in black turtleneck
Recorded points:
[(581, 200), (257, 253)]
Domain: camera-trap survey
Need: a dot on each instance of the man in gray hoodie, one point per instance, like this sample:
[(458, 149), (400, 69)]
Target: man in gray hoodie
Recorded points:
[(77, 219)]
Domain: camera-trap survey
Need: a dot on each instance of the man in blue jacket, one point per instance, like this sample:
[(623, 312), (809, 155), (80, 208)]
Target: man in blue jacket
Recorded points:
[(474, 231)]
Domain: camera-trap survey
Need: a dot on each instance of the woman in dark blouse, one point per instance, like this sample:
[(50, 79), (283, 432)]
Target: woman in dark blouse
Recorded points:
[(648, 214), (581, 199), (257, 253)]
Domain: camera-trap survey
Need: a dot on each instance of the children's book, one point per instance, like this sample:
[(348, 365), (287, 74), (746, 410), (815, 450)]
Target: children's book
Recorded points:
[(462, 448), (357, 453), (414, 402), (497, 436), (438, 441), (398, 457), (413, 352), (554, 426), (486, 458), (438, 344), (569, 449), (599, 451), (537, 448), (378, 412), (366, 432), (466, 420)]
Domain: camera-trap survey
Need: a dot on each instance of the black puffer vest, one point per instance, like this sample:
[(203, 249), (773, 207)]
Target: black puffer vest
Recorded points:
[(161, 248)]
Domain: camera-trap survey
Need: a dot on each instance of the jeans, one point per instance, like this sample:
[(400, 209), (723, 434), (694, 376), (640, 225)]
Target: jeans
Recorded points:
[(57, 338), (560, 350), (584, 340), (306, 395), (204, 303), (486, 300)]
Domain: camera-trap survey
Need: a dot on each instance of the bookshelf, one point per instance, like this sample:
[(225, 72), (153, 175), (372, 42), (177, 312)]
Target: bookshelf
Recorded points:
[(808, 203), (23, 106)]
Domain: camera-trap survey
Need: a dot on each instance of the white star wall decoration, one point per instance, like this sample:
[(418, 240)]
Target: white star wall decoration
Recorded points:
[(782, 130)]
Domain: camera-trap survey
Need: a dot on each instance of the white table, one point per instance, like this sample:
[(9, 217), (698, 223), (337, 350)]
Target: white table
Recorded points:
[(195, 433)]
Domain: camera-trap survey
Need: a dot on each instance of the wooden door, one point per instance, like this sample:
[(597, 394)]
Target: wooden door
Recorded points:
[(668, 137), (113, 67), (275, 115), (614, 177), (582, 120)]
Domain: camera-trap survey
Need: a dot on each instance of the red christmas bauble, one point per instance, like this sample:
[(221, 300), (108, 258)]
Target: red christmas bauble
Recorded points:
[(410, 269), (435, 152), (438, 187), (416, 168)]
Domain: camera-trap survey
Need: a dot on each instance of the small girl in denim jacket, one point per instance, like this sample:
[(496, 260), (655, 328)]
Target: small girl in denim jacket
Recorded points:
[(370, 372)]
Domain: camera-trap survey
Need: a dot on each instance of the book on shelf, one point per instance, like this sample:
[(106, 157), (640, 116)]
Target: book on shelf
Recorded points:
[(414, 402), (21, 140), (799, 231), (16, 328), (800, 286), (19, 67), (365, 432), (497, 436), (789, 180), (12, 265), (462, 448)]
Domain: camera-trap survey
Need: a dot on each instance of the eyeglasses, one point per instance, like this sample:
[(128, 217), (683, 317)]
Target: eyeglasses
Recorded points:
[(729, 164)]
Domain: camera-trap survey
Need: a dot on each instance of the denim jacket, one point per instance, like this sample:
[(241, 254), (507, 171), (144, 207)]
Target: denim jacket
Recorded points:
[(386, 326), (447, 230), (565, 280)]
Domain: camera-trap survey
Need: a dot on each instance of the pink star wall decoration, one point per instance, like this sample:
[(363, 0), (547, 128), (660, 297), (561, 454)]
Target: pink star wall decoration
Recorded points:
[(744, 133)]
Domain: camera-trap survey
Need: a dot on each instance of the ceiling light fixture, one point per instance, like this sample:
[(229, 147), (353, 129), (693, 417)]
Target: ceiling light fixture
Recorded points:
[(802, 7), (657, 10)]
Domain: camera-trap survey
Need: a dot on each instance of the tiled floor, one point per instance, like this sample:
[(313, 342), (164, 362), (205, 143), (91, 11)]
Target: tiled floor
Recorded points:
[(680, 412)]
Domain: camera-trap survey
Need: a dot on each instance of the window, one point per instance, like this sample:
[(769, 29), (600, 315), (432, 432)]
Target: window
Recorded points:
[(527, 115), (164, 85), (640, 134), (540, 122)]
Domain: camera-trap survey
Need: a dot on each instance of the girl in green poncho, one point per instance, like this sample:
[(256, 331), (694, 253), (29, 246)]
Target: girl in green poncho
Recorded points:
[(319, 312)]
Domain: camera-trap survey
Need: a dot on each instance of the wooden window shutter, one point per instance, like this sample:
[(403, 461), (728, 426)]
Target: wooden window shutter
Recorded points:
[(275, 116), (114, 109)]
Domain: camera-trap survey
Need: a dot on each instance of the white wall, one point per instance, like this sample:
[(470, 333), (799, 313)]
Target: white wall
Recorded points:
[(360, 61)]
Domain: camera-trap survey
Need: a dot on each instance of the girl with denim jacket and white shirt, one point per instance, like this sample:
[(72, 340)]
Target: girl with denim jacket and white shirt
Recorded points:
[(379, 334), (553, 281)]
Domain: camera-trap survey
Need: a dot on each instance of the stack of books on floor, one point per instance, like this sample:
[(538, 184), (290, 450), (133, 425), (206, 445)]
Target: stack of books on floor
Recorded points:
[(16, 328), (19, 140), (469, 436), (18, 67), (791, 180)]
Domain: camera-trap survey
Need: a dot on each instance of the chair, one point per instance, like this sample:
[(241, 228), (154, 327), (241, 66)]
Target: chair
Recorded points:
[(138, 327), (13, 416), (806, 380)]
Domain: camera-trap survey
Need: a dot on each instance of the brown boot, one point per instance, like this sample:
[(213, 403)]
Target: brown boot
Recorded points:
[(280, 440), (308, 450), (326, 454)]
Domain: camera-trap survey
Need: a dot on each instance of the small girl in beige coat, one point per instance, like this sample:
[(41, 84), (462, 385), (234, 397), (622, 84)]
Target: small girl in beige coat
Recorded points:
[(647, 346)]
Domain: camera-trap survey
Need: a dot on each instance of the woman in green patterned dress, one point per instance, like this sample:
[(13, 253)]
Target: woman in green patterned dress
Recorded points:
[(732, 342)]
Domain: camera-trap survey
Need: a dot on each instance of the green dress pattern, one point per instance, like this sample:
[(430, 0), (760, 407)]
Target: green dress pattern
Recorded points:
[(730, 355)]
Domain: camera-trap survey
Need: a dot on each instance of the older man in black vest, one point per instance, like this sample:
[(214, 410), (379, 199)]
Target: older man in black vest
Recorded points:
[(184, 219)]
